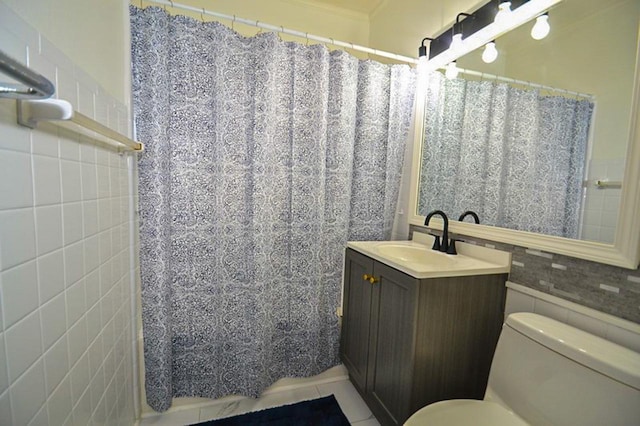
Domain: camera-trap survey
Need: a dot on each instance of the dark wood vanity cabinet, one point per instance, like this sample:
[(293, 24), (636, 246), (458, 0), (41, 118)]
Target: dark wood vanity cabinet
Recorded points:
[(408, 342)]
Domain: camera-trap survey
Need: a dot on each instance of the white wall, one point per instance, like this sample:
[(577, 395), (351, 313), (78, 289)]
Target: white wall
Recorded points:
[(400, 25), (65, 230), (93, 33)]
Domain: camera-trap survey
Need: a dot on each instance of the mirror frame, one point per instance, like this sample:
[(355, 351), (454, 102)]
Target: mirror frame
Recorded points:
[(624, 252)]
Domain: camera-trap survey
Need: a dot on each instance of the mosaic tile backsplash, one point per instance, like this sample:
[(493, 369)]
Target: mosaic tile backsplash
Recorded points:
[(606, 288)]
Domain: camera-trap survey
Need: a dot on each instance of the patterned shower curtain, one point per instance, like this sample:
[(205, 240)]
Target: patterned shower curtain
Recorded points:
[(262, 158), (514, 156)]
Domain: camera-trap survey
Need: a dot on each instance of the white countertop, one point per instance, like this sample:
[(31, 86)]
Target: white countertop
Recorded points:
[(416, 258)]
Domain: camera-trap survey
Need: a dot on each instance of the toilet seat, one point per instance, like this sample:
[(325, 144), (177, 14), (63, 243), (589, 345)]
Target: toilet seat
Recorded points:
[(464, 412)]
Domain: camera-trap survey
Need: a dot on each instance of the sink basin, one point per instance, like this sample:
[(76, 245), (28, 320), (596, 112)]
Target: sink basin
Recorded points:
[(418, 254), (416, 258)]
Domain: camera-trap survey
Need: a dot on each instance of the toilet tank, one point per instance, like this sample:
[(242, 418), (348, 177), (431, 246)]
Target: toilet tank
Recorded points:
[(550, 373)]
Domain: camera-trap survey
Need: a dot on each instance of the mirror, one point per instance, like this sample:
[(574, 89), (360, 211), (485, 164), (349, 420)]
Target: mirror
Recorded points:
[(592, 49)]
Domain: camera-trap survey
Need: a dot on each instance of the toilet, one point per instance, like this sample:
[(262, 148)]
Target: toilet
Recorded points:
[(545, 372)]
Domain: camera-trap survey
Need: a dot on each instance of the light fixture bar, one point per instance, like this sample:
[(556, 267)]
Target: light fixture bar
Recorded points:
[(519, 16)]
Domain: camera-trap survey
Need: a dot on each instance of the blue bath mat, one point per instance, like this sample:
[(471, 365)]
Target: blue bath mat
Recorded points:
[(317, 412)]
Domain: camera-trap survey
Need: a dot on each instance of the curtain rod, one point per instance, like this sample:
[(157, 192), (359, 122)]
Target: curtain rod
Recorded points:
[(325, 40), (525, 83), (281, 29)]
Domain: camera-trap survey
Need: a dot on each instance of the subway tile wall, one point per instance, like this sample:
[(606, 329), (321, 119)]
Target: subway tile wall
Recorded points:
[(66, 337), (525, 299), (601, 204)]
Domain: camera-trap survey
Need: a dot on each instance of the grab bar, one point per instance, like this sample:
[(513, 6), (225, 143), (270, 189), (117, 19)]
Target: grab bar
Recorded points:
[(31, 84)]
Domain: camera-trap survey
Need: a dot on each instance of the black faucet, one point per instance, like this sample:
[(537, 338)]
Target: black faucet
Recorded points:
[(445, 246), (469, 213)]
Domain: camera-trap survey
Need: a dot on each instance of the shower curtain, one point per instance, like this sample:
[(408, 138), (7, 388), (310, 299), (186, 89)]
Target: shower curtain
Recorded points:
[(262, 158), (514, 156)]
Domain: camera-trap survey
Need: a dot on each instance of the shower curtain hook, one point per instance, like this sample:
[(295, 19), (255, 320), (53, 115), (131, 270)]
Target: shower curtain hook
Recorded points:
[(307, 37), (259, 27), (202, 15), (233, 23), (141, 7)]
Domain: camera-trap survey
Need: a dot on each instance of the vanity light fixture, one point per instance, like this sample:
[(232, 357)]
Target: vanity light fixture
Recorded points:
[(451, 71), (481, 27), (541, 28), (490, 53), (504, 13)]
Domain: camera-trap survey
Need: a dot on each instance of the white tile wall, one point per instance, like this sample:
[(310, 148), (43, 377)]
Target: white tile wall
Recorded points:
[(601, 204), (65, 313), (617, 330)]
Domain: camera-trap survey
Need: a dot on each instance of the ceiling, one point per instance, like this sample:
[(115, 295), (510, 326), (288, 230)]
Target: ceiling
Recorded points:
[(360, 6)]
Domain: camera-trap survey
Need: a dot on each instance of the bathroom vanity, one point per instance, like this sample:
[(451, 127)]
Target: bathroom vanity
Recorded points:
[(419, 326)]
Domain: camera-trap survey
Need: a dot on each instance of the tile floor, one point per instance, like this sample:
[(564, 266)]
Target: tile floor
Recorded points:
[(286, 391)]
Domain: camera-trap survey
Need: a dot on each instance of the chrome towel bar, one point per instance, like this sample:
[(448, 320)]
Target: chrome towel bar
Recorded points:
[(31, 85), (31, 92)]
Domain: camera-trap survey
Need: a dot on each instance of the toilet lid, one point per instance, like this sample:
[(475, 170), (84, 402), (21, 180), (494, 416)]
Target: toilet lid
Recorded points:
[(464, 412)]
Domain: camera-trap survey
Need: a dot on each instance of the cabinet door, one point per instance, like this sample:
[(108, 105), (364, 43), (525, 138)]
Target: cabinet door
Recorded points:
[(356, 305), (459, 322), (392, 344)]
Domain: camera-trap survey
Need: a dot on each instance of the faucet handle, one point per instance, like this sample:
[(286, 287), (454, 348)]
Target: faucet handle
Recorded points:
[(452, 247), (436, 242)]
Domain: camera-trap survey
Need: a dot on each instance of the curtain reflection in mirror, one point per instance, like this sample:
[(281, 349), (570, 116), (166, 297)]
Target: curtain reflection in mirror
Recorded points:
[(513, 155)]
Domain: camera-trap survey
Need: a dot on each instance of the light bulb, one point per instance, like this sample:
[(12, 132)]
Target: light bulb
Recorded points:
[(490, 52), (451, 71), (456, 43), (423, 72), (541, 29), (422, 63), (504, 13)]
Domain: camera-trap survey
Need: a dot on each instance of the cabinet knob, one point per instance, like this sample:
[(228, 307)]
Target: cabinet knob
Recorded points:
[(370, 278)]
